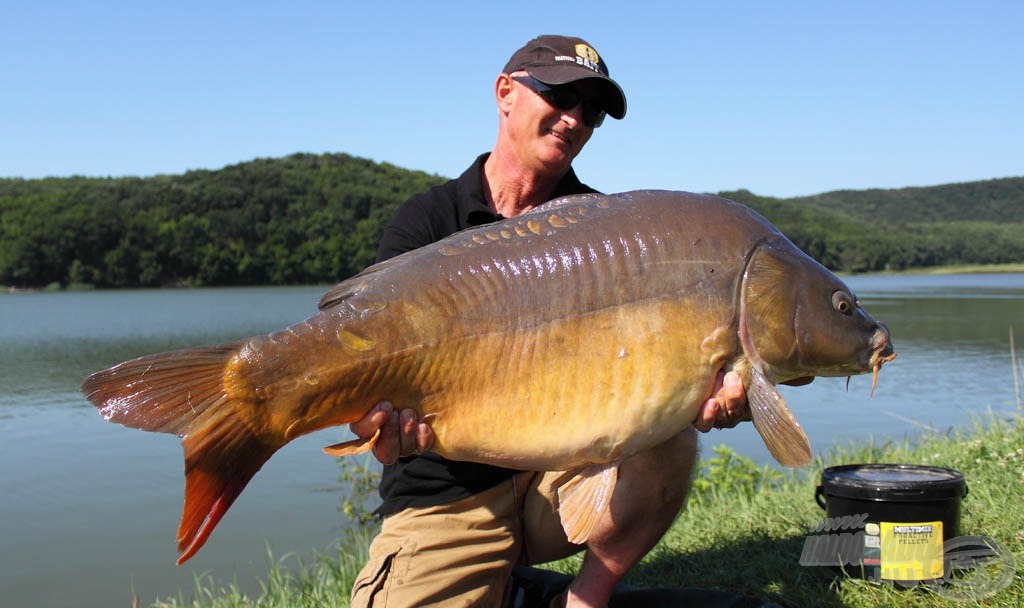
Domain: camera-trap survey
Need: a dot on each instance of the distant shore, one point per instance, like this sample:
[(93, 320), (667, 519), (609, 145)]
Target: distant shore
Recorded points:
[(930, 270), (964, 269)]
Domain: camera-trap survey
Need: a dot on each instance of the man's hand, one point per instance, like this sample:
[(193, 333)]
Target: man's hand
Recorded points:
[(401, 434), (727, 405)]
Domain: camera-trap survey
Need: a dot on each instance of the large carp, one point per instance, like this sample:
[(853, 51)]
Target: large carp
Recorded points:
[(567, 338)]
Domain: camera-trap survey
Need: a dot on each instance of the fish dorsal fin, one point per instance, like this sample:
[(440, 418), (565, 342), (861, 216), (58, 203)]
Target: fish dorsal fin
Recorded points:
[(565, 201), (776, 423), (353, 285), (353, 447), (584, 498)]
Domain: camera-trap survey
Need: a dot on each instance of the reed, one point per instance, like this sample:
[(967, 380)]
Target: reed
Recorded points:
[(1018, 371)]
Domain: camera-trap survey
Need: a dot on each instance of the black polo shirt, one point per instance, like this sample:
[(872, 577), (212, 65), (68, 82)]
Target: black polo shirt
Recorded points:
[(428, 480)]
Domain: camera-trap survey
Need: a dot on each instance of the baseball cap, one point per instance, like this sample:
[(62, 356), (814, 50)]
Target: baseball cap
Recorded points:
[(556, 60)]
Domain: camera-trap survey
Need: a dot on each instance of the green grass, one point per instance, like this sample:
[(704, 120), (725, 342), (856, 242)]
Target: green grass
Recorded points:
[(291, 582), (747, 538), (743, 531)]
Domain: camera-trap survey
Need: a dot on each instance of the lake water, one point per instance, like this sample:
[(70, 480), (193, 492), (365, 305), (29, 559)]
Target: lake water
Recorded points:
[(89, 510)]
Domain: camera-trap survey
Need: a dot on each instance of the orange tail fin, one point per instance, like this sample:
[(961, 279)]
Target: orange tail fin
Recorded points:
[(182, 392)]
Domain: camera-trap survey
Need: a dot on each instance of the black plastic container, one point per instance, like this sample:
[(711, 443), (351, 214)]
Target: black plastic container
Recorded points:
[(886, 521)]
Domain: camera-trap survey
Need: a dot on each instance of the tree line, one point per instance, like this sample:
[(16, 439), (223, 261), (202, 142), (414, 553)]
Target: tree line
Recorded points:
[(310, 219), (903, 229), (303, 219)]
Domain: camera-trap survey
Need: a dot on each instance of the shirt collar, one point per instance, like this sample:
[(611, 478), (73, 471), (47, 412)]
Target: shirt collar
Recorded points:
[(473, 207)]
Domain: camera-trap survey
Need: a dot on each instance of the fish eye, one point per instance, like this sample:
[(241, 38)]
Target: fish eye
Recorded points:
[(842, 303)]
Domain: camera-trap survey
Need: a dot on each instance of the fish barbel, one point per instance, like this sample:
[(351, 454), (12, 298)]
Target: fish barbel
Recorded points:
[(568, 338)]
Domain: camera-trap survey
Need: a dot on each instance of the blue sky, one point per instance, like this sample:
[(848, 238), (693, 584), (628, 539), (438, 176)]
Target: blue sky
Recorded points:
[(781, 98)]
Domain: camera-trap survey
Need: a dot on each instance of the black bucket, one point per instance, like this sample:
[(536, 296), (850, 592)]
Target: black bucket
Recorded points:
[(886, 522)]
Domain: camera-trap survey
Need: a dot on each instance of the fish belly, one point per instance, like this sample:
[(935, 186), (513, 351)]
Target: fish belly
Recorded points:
[(592, 388)]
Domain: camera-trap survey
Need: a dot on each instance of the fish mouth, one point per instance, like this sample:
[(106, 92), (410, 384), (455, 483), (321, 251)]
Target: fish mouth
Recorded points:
[(881, 352)]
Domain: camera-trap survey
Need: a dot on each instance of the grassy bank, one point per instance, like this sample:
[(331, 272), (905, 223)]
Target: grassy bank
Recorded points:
[(743, 531), (748, 537)]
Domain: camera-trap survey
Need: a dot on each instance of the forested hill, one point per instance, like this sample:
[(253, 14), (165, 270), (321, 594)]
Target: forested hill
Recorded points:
[(995, 200), (303, 219), (308, 218), (873, 230)]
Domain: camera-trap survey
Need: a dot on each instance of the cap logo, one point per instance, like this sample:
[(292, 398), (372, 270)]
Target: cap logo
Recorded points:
[(587, 53), (585, 57)]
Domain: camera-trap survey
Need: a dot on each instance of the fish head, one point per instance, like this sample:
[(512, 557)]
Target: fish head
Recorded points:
[(798, 319)]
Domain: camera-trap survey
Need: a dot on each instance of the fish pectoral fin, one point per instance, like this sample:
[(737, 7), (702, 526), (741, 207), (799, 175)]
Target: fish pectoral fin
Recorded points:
[(584, 498), (776, 424), (353, 447)]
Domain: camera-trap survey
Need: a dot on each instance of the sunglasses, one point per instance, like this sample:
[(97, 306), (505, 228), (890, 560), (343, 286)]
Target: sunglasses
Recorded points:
[(564, 97)]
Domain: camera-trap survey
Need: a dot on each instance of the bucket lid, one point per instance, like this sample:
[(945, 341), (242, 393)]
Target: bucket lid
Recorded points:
[(905, 482)]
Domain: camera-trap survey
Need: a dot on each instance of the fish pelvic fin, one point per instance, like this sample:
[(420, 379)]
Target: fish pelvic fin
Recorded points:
[(776, 423), (584, 498), (353, 447), (183, 392)]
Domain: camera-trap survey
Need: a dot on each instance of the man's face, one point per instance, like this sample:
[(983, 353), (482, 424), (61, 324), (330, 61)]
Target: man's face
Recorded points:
[(543, 136)]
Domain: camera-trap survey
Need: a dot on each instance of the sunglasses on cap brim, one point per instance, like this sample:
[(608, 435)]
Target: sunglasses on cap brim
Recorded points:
[(565, 97)]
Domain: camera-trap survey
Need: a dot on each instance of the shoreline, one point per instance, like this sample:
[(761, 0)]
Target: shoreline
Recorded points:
[(1015, 268), (945, 270)]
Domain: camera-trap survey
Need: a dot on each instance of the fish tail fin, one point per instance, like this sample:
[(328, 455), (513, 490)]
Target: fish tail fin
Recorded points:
[(221, 457), (183, 392), (166, 392)]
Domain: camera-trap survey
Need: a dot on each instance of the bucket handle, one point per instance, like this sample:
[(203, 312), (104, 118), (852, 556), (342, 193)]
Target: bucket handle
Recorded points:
[(819, 493)]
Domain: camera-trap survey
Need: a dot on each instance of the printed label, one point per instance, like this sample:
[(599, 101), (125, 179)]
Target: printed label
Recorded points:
[(911, 551)]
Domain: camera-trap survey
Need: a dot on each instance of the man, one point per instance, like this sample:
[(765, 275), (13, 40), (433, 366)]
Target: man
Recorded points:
[(452, 531)]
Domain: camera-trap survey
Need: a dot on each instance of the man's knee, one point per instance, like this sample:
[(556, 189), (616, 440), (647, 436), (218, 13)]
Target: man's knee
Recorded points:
[(672, 461), (661, 476)]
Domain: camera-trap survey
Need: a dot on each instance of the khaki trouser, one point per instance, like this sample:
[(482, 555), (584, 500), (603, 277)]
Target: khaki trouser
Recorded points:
[(461, 554)]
